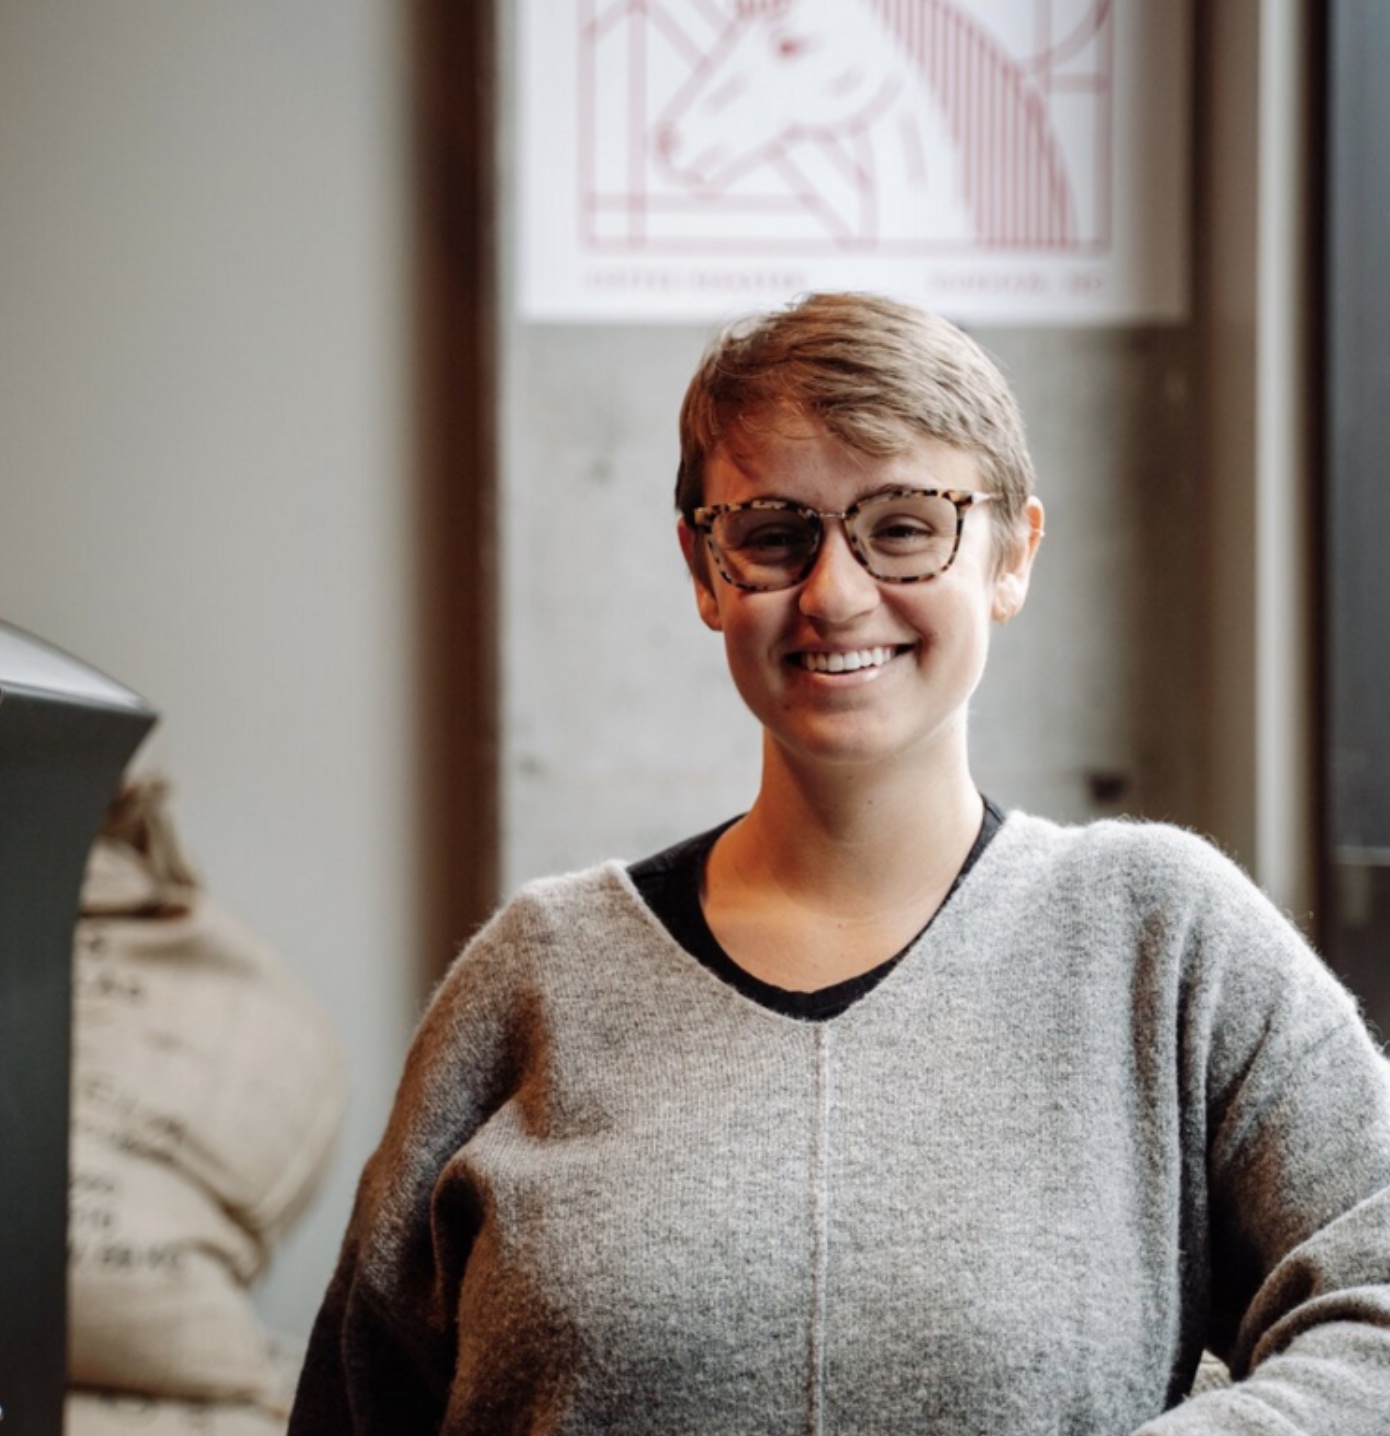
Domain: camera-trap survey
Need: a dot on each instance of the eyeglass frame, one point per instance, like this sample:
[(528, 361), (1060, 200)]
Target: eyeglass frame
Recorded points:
[(702, 521)]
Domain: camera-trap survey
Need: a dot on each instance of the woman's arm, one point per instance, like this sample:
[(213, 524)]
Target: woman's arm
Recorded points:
[(1297, 1107), (382, 1353), (365, 1370)]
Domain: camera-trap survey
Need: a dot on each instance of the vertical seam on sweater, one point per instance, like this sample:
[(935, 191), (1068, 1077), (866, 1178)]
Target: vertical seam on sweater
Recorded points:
[(820, 1187)]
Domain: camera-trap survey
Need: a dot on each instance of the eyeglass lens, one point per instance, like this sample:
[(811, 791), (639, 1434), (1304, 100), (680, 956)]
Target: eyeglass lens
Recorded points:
[(896, 536)]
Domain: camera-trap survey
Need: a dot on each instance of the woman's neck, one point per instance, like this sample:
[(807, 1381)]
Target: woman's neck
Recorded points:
[(857, 845)]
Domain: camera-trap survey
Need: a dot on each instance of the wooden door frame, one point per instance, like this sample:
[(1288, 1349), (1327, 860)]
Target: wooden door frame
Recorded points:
[(454, 99)]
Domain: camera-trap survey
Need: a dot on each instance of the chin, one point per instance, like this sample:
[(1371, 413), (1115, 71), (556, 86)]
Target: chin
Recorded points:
[(838, 747)]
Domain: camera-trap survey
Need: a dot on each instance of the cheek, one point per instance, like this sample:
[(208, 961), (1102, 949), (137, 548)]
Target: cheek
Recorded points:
[(955, 630), (754, 680), (980, 630), (745, 640), (750, 633)]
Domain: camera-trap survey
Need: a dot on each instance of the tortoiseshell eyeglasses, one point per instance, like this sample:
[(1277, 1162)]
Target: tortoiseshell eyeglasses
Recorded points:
[(899, 535)]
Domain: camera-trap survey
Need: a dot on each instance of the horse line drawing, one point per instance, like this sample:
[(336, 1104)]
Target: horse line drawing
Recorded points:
[(872, 126)]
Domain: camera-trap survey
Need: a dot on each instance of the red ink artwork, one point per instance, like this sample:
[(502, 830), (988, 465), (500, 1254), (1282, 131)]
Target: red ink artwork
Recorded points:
[(874, 127)]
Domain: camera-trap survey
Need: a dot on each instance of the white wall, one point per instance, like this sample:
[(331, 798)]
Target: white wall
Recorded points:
[(204, 484)]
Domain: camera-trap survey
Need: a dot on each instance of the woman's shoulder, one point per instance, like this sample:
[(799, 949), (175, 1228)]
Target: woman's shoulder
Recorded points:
[(1145, 876), (553, 931), (1162, 889), (1142, 855), (568, 896)]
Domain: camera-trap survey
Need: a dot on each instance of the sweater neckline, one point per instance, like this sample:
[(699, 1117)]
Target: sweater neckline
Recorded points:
[(821, 1005)]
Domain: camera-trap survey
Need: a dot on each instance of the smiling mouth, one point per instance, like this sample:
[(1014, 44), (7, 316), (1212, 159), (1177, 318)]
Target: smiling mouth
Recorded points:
[(849, 660)]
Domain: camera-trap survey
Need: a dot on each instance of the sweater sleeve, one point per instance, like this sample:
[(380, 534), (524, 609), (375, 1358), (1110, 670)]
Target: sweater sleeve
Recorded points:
[(1297, 1133), (382, 1351)]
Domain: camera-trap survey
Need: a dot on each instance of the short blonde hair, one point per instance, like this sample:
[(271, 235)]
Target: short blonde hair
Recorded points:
[(876, 373)]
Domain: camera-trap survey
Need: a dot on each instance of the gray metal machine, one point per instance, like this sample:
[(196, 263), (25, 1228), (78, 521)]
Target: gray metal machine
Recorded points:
[(66, 734)]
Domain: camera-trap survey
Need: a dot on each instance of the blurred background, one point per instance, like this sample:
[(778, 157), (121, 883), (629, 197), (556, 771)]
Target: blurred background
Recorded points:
[(398, 569)]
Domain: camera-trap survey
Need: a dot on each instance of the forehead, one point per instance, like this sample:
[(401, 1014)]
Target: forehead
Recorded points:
[(800, 459)]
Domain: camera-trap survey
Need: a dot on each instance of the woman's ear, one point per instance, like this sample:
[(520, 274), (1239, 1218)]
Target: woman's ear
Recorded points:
[(1011, 582), (697, 561)]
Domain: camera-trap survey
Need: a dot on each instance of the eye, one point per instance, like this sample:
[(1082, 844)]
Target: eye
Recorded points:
[(773, 536), (910, 525), (765, 535), (902, 534)]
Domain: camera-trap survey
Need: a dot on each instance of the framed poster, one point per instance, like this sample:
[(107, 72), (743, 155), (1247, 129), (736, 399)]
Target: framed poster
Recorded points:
[(1003, 161)]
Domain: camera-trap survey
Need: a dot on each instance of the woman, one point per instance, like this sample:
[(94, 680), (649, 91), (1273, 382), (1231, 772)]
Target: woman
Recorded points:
[(874, 1110)]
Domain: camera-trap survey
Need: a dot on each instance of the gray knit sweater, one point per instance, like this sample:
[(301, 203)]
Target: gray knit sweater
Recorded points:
[(1108, 1110)]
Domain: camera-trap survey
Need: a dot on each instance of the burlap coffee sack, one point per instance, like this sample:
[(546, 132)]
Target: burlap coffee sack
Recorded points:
[(160, 878), (157, 1301), (93, 1414), (192, 1043)]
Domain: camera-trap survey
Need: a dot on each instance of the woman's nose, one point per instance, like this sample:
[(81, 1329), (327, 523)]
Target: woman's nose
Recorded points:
[(838, 588)]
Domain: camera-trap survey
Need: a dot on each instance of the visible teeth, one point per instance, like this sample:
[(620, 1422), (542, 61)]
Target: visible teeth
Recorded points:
[(846, 662)]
